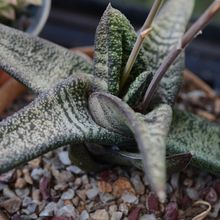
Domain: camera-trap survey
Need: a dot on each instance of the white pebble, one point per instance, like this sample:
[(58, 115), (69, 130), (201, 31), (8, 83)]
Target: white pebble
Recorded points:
[(64, 157)]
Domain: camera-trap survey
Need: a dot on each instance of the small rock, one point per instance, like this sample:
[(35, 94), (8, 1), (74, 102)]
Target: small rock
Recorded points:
[(3, 216), (129, 198), (134, 214), (112, 209), (36, 195), (153, 204), (148, 217), (75, 170), (138, 185), (20, 183), (175, 180), (8, 193), (122, 185), (49, 209), (171, 211), (116, 216), (81, 194), (44, 186), (64, 157), (92, 193), (84, 215), (11, 205), (104, 187), (68, 211), (27, 200), (75, 201), (27, 176), (69, 194), (31, 208), (106, 197), (192, 193), (22, 193), (37, 173), (211, 196), (85, 179), (35, 163), (123, 208), (100, 214), (8, 176), (65, 177)]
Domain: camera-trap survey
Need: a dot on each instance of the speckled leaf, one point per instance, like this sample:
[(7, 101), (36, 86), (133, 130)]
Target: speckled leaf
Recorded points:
[(57, 117), (137, 89), (201, 138), (150, 132), (168, 29), (115, 38), (37, 63)]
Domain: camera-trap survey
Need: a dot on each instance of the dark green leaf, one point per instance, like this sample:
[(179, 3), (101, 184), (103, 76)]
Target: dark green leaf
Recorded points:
[(115, 38)]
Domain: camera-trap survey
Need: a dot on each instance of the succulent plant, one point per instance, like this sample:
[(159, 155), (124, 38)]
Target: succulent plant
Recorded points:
[(82, 103)]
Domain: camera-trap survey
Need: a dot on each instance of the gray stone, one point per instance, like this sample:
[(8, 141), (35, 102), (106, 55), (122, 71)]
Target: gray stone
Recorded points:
[(64, 157), (84, 215), (100, 214), (116, 216), (129, 198), (92, 193), (49, 209), (69, 194), (68, 211)]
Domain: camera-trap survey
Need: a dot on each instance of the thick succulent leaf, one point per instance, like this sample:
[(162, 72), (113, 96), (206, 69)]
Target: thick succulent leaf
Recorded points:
[(57, 117), (115, 38), (201, 138), (137, 89), (37, 63), (150, 133), (168, 29)]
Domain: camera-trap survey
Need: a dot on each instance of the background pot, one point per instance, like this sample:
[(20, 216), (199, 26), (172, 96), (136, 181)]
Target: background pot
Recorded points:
[(39, 19)]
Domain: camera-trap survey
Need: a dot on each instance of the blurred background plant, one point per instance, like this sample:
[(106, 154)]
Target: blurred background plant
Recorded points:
[(17, 13)]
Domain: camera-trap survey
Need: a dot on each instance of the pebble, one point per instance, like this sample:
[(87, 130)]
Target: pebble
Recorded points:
[(75, 201), (68, 211), (27, 176), (106, 197), (22, 193), (35, 163), (36, 195), (69, 194), (122, 185), (112, 209), (171, 211), (49, 209), (123, 208), (3, 216), (100, 214), (192, 193), (116, 216), (37, 173), (152, 203), (138, 184), (11, 205), (92, 193), (148, 217), (75, 170), (104, 186), (129, 198), (64, 157), (20, 183), (27, 200), (84, 215), (8, 193), (81, 194), (8, 176)]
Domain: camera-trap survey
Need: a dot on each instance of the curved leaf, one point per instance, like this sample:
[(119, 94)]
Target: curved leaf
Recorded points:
[(201, 138), (150, 133), (167, 31), (115, 38), (37, 63), (57, 117)]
